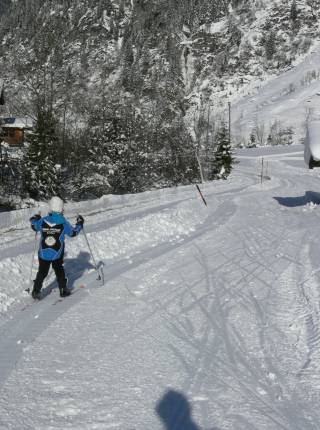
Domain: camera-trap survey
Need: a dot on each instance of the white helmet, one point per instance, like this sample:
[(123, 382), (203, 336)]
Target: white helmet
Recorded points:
[(56, 205)]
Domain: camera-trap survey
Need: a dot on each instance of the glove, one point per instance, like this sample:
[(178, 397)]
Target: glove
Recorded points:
[(35, 217), (80, 220)]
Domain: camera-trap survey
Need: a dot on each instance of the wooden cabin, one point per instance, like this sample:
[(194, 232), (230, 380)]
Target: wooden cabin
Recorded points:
[(12, 130)]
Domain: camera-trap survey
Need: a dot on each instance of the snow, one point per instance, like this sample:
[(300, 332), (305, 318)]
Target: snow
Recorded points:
[(123, 237), (312, 147), (22, 122), (214, 27), (208, 319), (287, 98), (187, 64)]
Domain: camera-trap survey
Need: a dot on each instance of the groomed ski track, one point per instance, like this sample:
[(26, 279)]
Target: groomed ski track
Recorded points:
[(214, 309)]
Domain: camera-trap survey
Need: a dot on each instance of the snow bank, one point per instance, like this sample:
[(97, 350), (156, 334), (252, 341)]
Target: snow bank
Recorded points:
[(137, 234), (128, 237), (14, 278), (20, 218)]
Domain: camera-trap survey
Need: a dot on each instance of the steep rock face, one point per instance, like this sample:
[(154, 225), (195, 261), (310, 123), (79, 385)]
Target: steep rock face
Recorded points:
[(63, 53), (73, 56), (131, 94), (254, 40)]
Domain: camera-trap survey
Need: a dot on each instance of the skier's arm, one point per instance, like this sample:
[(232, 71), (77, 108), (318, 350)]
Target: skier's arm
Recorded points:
[(73, 231), (36, 222)]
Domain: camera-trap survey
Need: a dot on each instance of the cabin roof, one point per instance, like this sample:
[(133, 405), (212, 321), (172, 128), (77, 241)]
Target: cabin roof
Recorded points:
[(16, 122)]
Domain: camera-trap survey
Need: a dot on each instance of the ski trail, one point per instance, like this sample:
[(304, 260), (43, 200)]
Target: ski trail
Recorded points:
[(27, 324), (227, 314), (31, 320), (259, 266), (309, 311), (220, 336)]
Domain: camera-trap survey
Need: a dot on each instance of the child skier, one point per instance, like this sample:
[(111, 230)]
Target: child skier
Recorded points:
[(53, 228)]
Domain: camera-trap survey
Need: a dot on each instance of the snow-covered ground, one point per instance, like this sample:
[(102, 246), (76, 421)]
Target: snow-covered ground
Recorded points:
[(209, 317), (286, 100)]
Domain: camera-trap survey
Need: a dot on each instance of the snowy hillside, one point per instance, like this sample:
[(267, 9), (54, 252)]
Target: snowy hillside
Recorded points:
[(208, 319), (75, 57), (126, 96), (235, 56), (209, 316), (284, 102)]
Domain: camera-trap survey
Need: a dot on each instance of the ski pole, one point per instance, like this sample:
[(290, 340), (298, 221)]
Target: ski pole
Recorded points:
[(33, 254), (100, 273), (31, 266), (89, 247)]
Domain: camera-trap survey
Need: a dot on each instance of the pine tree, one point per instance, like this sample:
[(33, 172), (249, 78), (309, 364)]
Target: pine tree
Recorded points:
[(41, 171), (92, 166), (223, 157), (270, 45), (117, 156), (177, 163), (129, 150), (252, 143), (294, 11)]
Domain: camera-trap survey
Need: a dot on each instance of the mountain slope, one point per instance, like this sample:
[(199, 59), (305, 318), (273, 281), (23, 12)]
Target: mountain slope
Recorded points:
[(76, 55), (283, 102)]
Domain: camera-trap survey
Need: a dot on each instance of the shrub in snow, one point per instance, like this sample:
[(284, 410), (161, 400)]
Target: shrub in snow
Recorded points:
[(252, 142), (279, 135)]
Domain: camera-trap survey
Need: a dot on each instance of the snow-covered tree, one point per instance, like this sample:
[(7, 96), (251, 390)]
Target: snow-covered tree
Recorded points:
[(294, 11), (157, 56), (270, 45), (115, 154), (92, 167), (223, 157), (41, 164), (252, 141), (279, 135), (130, 152)]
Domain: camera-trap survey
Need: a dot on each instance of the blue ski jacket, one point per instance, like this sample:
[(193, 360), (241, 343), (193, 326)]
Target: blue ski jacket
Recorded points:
[(53, 228)]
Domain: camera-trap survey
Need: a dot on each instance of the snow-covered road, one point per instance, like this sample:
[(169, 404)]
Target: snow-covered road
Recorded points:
[(209, 318)]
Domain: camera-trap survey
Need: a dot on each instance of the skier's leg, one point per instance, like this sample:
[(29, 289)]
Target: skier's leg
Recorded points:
[(42, 273), (61, 277)]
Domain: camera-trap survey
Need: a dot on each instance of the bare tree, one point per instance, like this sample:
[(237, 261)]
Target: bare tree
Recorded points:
[(260, 132)]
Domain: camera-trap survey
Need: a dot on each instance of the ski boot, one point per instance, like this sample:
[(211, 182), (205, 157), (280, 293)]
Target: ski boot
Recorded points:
[(36, 292), (64, 291)]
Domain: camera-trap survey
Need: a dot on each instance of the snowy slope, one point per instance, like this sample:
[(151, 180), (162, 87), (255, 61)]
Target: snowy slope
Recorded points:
[(209, 318), (286, 99)]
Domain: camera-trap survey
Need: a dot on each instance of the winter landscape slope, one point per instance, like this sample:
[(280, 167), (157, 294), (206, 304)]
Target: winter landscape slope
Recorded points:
[(286, 100), (130, 90), (209, 317), (205, 51)]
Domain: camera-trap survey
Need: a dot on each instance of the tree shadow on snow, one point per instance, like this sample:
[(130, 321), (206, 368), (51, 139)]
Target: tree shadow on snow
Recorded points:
[(291, 202), (74, 268), (175, 412)]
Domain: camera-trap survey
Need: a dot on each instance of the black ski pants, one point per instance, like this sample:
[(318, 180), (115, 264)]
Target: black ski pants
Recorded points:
[(43, 271)]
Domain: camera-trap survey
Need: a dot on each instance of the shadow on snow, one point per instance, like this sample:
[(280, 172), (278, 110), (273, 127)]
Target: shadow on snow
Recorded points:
[(74, 268), (291, 202), (175, 412)]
